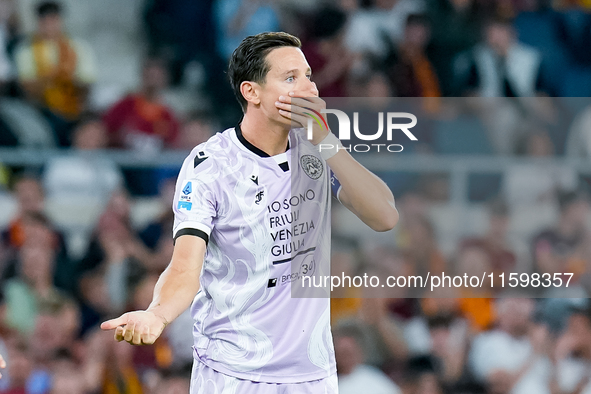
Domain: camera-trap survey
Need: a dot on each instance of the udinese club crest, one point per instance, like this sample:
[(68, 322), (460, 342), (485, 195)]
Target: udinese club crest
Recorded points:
[(312, 166)]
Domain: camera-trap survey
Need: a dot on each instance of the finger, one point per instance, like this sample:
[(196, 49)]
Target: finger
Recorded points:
[(300, 107), (296, 119), (2, 362), (304, 99), (288, 110), (119, 333), (304, 107), (128, 334), (137, 335), (147, 337), (297, 115), (283, 106), (305, 95), (114, 323)]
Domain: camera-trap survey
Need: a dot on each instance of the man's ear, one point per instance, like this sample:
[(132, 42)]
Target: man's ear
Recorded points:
[(251, 92)]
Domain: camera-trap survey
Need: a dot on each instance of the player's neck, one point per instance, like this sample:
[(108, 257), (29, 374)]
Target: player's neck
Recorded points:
[(268, 136)]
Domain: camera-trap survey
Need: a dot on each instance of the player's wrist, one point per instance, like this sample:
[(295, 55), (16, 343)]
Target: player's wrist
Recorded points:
[(329, 146), (160, 315)]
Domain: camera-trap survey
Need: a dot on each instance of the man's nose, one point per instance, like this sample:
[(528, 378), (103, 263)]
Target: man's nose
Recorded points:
[(310, 87)]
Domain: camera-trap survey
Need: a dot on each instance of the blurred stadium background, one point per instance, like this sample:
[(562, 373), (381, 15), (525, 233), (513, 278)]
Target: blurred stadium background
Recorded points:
[(101, 101)]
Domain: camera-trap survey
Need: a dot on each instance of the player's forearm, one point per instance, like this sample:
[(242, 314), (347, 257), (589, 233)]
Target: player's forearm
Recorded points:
[(174, 292), (366, 195)]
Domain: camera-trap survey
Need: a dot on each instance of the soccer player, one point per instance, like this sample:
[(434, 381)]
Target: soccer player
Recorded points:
[(248, 201)]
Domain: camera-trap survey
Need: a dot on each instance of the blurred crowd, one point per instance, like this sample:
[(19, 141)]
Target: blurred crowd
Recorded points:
[(356, 48), (487, 339), (532, 53)]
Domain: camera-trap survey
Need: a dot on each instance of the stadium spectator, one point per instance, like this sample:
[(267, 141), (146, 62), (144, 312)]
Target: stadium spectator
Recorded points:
[(171, 27), (579, 135), (329, 58), (500, 66), (120, 375), (450, 339), (8, 32), (196, 64), (354, 375), (87, 175), (195, 130), (565, 247), (111, 253), (140, 121), (30, 222), (173, 382), (67, 376), (19, 368), (421, 377), (39, 232), (573, 26), (495, 241), (476, 304), (385, 346), (419, 246), (238, 19), (30, 198), (95, 298), (530, 183), (456, 26), (410, 70), (441, 305), (113, 229), (344, 301), (177, 334), (33, 285), (157, 245), (56, 331), (572, 353), (509, 358), (372, 29), (55, 71)]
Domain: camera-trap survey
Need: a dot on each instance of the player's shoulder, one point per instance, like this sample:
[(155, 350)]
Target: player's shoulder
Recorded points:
[(219, 147), (211, 154)]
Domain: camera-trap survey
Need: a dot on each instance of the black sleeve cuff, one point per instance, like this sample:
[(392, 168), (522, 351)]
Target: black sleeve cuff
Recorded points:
[(194, 232)]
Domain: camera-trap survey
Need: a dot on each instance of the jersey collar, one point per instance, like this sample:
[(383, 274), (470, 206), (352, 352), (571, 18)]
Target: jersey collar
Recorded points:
[(251, 147)]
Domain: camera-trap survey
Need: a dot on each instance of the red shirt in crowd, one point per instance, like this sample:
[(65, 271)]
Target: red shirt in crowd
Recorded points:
[(137, 123)]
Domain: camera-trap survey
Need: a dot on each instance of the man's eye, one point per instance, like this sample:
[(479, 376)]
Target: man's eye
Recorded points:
[(290, 79), (309, 76)]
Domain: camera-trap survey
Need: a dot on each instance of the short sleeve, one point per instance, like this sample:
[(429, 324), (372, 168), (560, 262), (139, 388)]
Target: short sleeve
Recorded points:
[(195, 198)]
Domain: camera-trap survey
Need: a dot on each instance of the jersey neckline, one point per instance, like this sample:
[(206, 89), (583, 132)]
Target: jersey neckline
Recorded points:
[(281, 159), (251, 147)]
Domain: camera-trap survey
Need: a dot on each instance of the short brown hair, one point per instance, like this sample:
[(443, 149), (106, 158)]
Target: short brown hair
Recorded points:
[(248, 62)]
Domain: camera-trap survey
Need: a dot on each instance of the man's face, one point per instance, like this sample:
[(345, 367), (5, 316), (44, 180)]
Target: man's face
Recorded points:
[(348, 354), (29, 194), (91, 136), (50, 26), (577, 213), (499, 37), (155, 77), (288, 72), (417, 34), (514, 314)]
